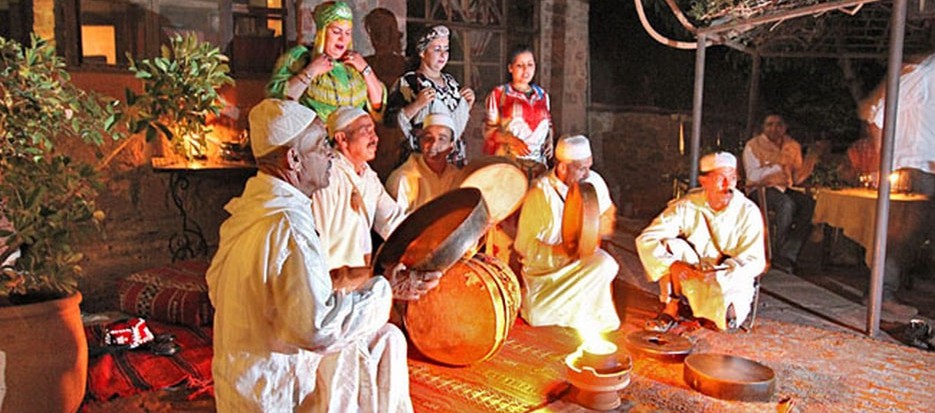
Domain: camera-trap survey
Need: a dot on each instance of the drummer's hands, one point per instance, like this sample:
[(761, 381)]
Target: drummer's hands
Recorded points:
[(349, 278), (608, 222), (412, 285)]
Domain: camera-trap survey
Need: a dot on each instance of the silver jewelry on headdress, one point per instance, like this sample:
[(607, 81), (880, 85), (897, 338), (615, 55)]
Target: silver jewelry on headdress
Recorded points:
[(435, 32)]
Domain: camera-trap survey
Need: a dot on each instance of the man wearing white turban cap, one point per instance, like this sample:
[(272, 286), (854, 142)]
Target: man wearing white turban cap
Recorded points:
[(356, 201), (561, 288), (426, 174), (279, 320), (707, 247), (573, 148)]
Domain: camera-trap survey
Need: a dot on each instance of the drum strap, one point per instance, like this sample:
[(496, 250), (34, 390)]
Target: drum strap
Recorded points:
[(557, 192)]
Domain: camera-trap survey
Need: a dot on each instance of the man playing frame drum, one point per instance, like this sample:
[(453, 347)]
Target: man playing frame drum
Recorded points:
[(563, 288)]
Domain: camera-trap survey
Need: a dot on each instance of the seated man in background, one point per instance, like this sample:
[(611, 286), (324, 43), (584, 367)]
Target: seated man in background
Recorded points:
[(356, 200), (707, 247), (284, 338), (428, 174), (562, 289), (773, 160)]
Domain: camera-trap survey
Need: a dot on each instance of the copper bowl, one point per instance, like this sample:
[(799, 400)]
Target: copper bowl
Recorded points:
[(729, 377)]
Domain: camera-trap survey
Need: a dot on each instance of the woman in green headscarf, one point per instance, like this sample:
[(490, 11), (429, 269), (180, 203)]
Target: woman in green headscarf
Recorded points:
[(331, 74)]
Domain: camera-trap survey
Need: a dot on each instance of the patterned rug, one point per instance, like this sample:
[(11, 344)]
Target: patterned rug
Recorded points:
[(527, 373), (129, 372), (816, 370)]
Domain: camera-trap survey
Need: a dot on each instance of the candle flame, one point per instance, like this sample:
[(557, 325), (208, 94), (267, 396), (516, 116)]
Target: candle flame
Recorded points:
[(894, 178), (593, 341), (681, 138)]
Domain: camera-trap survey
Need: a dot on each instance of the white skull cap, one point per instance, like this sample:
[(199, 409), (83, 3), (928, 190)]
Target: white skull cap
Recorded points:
[(275, 123), (342, 117), (716, 160), (439, 119), (573, 148)]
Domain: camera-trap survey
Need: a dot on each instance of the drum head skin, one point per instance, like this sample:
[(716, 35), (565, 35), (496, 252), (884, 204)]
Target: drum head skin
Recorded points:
[(502, 184), (581, 221), (467, 317), (729, 377), (663, 346), (436, 234)]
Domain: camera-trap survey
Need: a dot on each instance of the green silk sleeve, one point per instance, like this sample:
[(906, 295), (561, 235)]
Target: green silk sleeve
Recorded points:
[(290, 63)]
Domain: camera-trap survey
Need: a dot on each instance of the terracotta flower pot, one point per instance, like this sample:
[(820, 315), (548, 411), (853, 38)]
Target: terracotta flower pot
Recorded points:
[(46, 356)]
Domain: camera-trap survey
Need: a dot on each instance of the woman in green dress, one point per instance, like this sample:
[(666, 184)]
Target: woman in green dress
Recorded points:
[(330, 74)]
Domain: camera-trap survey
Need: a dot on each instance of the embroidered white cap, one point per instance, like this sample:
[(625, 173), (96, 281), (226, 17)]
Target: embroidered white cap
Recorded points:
[(573, 148), (342, 117), (716, 160), (276, 122), (439, 119)]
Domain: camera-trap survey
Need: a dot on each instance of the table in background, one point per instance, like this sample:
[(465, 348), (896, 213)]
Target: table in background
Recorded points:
[(853, 210), (190, 241)]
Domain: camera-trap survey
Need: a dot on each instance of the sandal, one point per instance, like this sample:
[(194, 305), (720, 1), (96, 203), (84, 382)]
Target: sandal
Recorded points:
[(661, 324)]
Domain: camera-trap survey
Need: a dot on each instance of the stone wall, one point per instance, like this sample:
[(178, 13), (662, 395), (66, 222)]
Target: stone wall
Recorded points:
[(563, 65), (642, 159), (641, 152)]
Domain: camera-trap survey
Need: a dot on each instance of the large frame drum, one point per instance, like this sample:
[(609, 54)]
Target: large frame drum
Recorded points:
[(466, 319)]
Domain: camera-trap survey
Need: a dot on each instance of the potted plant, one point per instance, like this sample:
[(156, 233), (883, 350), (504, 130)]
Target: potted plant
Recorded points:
[(46, 206), (180, 92)]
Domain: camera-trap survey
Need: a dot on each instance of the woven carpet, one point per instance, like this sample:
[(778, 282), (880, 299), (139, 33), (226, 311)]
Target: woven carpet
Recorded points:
[(525, 374), (816, 371), (129, 372)]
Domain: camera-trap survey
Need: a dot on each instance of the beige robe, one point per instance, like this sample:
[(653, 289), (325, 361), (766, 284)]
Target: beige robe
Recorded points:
[(562, 290), (689, 230), (344, 232), (414, 184), (284, 340)]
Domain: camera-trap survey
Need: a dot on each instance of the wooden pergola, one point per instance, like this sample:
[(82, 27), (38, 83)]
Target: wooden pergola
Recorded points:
[(855, 29)]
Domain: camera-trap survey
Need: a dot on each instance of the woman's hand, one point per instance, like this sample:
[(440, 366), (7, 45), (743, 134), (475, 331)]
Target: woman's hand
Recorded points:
[(424, 97), (318, 66), (468, 95), (355, 60)]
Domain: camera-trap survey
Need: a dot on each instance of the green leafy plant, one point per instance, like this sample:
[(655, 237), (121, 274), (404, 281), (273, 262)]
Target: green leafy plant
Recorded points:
[(46, 197), (179, 92)]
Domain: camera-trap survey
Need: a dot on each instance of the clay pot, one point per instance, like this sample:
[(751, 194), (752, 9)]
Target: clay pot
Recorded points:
[(46, 356)]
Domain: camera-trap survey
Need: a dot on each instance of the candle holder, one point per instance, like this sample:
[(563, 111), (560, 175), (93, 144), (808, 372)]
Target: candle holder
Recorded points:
[(598, 371)]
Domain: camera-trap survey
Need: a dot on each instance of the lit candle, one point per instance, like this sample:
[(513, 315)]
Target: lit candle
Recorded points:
[(681, 138)]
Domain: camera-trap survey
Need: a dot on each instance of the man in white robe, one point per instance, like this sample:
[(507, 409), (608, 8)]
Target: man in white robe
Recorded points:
[(426, 175), (708, 247), (562, 289), (285, 340), (356, 200)]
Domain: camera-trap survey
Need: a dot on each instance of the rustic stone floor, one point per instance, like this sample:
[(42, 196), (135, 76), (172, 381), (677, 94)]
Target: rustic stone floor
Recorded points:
[(822, 304)]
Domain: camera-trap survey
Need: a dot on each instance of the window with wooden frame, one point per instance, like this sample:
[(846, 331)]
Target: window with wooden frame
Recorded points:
[(482, 35), (101, 33)]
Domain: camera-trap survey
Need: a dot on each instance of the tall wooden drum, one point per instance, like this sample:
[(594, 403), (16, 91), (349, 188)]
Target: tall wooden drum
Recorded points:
[(466, 319)]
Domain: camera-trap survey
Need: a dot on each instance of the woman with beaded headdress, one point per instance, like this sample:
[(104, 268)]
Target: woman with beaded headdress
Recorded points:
[(428, 90), (330, 74), (518, 120)]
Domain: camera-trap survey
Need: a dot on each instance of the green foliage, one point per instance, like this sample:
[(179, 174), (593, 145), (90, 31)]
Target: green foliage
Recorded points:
[(179, 91), (47, 197)]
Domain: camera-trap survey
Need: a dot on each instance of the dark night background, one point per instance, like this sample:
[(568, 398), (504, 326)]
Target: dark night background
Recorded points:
[(630, 69)]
